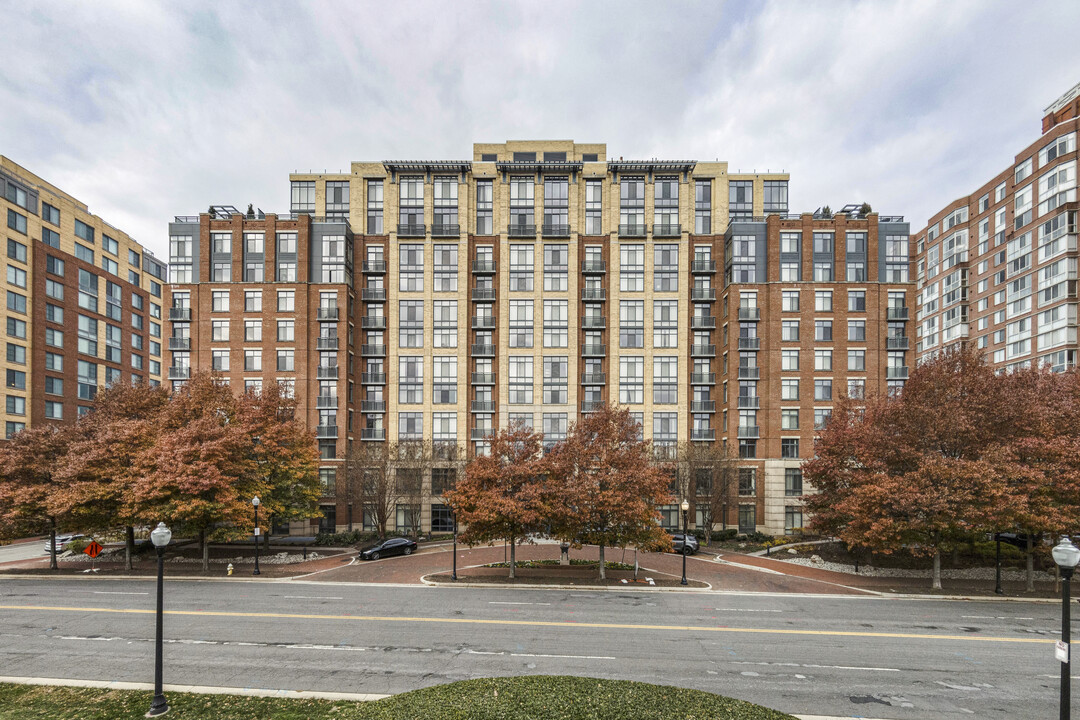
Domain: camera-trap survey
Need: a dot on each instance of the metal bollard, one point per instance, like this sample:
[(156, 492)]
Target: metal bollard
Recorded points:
[(305, 552)]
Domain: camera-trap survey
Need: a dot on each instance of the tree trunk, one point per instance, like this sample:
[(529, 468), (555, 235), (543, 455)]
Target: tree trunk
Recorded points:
[(937, 569), (635, 564), (1030, 564), (956, 556), (52, 545), (129, 546), (513, 558), (603, 576), (205, 550)]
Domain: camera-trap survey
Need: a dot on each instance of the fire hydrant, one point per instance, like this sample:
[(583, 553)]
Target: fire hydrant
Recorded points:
[(230, 568)]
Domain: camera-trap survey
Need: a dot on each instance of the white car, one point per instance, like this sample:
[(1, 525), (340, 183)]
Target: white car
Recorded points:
[(62, 541)]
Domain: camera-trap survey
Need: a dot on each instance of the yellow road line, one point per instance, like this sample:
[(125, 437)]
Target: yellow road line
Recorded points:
[(529, 623)]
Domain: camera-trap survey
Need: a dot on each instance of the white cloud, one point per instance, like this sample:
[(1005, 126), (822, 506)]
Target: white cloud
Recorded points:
[(147, 110)]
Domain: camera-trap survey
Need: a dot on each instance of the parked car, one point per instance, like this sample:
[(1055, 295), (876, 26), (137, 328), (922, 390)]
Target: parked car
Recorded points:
[(388, 547), (62, 542), (684, 544)]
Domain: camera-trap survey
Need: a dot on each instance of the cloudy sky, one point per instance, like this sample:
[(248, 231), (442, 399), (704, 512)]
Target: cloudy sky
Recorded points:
[(146, 110)]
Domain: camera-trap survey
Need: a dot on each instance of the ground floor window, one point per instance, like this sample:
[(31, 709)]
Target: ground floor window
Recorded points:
[(328, 521), (441, 519), (369, 519), (669, 517), (407, 518), (793, 521), (747, 518)]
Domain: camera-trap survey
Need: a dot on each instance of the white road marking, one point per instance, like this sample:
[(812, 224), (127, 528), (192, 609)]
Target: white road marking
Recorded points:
[(109, 592), (536, 655), (312, 597), (747, 610), (820, 667), (498, 602), (994, 617)]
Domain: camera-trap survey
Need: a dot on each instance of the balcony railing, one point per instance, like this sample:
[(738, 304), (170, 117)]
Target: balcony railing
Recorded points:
[(326, 402), (666, 230), (480, 433), (483, 350), (373, 294), (326, 431), (702, 322), (594, 321), (328, 313), (444, 230), (483, 322), (749, 403), (588, 406), (176, 343), (896, 313), (180, 314), (483, 378), (748, 431), (896, 343), (703, 350), (593, 350), (705, 378), (374, 267), (749, 313), (593, 267), (372, 433), (483, 267), (410, 230), (703, 435), (553, 230), (327, 373), (896, 373), (632, 230), (703, 406), (326, 343), (483, 294), (373, 322), (749, 343), (596, 378), (373, 406), (179, 373), (372, 378), (703, 294), (373, 350), (483, 407), (593, 294), (749, 373), (521, 230), (703, 267)]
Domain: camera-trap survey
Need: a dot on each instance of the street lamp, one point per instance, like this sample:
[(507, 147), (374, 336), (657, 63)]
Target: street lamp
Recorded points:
[(453, 516), (685, 539), (1066, 555), (160, 537), (255, 504)]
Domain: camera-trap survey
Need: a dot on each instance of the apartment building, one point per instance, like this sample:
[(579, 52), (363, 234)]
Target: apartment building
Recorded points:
[(533, 282), (83, 304), (997, 268)]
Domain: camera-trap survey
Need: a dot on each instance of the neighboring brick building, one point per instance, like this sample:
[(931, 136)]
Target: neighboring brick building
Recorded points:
[(533, 282), (83, 304)]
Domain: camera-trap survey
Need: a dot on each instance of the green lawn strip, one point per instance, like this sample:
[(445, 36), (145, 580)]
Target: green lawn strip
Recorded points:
[(552, 697)]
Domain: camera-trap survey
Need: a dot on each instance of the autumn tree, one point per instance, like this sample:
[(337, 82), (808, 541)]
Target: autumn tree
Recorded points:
[(28, 480), (502, 493), (413, 463), (708, 472), (603, 489), (371, 482)]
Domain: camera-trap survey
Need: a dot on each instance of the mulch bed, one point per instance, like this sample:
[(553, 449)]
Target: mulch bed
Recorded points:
[(564, 575)]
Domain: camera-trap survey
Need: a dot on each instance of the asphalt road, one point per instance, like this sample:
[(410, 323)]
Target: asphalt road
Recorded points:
[(846, 656)]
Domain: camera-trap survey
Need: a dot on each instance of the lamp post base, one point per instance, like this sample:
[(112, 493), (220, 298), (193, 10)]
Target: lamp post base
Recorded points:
[(158, 707)]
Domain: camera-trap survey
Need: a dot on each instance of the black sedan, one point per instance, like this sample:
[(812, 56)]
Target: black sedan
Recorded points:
[(388, 547), (679, 545)]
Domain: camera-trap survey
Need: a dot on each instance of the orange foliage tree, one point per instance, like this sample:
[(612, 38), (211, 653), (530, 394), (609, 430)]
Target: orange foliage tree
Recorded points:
[(28, 480)]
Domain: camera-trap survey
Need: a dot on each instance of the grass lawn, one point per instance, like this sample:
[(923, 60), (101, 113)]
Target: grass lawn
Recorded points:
[(521, 698)]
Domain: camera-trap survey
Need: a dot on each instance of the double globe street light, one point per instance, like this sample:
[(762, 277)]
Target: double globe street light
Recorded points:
[(255, 504), (685, 539), (1066, 556), (160, 537)]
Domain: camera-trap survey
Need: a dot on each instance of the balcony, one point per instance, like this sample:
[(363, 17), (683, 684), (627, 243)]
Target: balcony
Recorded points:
[(326, 402), (749, 403), (593, 267), (176, 343), (897, 373), (328, 313), (588, 406), (180, 314), (373, 406), (372, 378), (480, 433), (749, 373), (326, 431), (483, 294), (373, 350), (373, 322), (521, 230), (444, 230), (483, 350), (703, 351), (749, 431), (326, 343), (554, 230), (706, 378), (483, 378), (896, 313), (324, 372), (374, 267), (750, 313), (596, 378), (594, 350), (703, 294), (593, 294), (703, 406), (703, 267), (666, 230), (708, 435), (749, 343), (702, 322), (632, 231), (483, 322), (483, 267), (594, 321), (410, 230), (373, 294), (483, 407), (372, 433), (179, 373), (896, 343)]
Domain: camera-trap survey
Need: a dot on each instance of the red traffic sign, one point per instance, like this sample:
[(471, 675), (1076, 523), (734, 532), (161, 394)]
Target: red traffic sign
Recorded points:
[(93, 549)]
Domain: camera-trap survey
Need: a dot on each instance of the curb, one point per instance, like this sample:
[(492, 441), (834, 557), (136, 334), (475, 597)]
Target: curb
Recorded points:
[(590, 588), (196, 689)]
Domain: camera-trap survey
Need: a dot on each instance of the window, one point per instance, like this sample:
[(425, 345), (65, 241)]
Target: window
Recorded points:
[(555, 380), (665, 380), (789, 330), (789, 360), (666, 268), (744, 259), (554, 428), (17, 222), (896, 258), (252, 360), (87, 376), (789, 389), (411, 323), (375, 207), (253, 331), (54, 362), (856, 388), (16, 379), (286, 330), (17, 302), (253, 300), (823, 300), (219, 360), (50, 214), (303, 196), (856, 360), (16, 276), (632, 268), (16, 354), (747, 481), (823, 330), (556, 323), (789, 448), (410, 380), (219, 301), (631, 380), (856, 331), (776, 196), (822, 360), (703, 207), (522, 208), (521, 323), (337, 199), (16, 250), (446, 379), (593, 207), (84, 253), (821, 417), (411, 268), (446, 324), (789, 419), (52, 239), (665, 323), (521, 268), (740, 199), (631, 323), (856, 301), (285, 361), (789, 300), (446, 268), (17, 328), (109, 245), (54, 338), (793, 519), (556, 264), (16, 405), (484, 207), (521, 380), (54, 386), (556, 206), (823, 389), (632, 206)]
